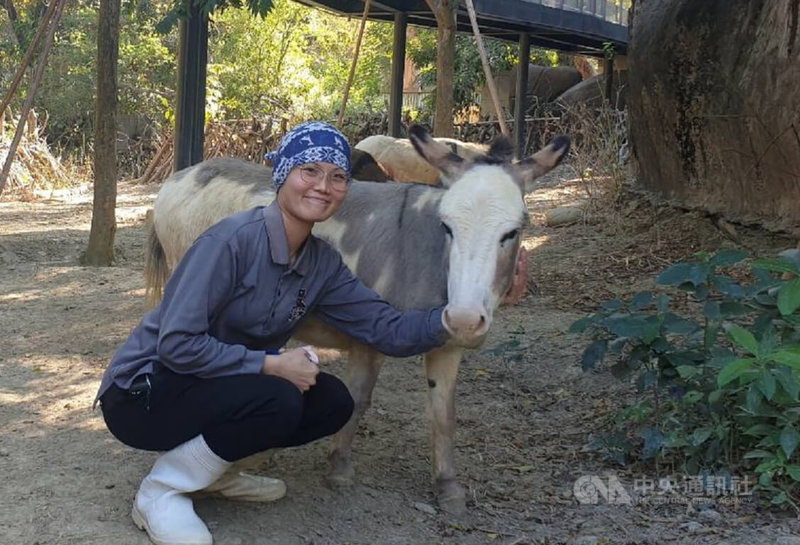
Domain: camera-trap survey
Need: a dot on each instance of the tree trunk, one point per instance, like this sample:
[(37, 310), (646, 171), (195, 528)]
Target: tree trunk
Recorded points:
[(13, 17), (445, 11), (714, 107), (104, 224)]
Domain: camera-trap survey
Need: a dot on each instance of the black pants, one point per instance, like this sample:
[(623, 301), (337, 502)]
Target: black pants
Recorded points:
[(237, 415)]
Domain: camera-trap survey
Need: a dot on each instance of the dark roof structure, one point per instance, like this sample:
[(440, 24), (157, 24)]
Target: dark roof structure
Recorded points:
[(575, 26)]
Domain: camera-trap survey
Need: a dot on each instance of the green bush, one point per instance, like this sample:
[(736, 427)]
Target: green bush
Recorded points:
[(718, 386)]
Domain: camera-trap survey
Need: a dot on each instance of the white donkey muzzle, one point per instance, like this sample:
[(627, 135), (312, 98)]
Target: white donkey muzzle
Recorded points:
[(468, 327)]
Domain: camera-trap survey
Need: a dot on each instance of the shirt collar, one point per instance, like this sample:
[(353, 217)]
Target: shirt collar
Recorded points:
[(278, 243)]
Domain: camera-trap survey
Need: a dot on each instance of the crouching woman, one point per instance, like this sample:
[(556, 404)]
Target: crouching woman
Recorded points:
[(201, 377)]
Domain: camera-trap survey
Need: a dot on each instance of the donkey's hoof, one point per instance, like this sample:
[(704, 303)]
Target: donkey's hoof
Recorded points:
[(451, 497), (341, 473), (336, 480)]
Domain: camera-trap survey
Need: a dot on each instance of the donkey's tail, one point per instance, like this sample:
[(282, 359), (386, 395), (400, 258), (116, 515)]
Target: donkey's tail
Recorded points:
[(156, 270)]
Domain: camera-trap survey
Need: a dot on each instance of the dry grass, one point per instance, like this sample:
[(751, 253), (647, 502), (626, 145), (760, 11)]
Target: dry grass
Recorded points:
[(35, 167)]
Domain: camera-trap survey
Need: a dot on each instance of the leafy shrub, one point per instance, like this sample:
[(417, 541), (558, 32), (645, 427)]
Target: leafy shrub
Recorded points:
[(718, 386)]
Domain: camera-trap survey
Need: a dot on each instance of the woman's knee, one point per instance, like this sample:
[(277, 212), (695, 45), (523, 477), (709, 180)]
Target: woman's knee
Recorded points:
[(337, 397), (284, 399)]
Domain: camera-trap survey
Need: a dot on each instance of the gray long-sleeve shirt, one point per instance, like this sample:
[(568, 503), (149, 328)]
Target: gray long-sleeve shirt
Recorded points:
[(235, 297)]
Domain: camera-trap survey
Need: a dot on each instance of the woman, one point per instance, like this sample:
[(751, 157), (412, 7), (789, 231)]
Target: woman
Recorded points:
[(202, 378)]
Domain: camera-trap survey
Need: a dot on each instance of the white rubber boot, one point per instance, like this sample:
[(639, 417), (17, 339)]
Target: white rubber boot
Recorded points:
[(161, 507)]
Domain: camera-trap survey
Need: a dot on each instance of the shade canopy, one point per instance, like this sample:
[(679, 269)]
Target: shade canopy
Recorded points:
[(575, 26)]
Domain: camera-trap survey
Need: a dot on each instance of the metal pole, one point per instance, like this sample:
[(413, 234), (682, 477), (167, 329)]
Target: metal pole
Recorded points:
[(521, 104), (398, 69), (200, 98), (191, 88)]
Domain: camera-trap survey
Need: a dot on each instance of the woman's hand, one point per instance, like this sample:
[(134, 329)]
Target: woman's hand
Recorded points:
[(520, 283), (294, 365)]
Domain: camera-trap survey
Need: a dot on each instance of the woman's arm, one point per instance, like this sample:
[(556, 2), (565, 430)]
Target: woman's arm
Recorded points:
[(350, 306), (203, 282)]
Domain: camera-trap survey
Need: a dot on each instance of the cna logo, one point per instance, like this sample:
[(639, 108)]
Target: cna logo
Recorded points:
[(590, 488)]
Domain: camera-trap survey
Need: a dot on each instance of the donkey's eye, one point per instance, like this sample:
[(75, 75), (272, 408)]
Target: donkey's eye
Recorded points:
[(447, 230), (511, 235)]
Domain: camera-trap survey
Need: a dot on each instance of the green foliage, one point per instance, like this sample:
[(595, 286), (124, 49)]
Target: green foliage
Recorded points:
[(146, 73), (718, 387), (294, 63)]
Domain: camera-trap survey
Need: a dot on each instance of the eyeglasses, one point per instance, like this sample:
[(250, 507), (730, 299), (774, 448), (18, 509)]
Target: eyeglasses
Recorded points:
[(312, 174)]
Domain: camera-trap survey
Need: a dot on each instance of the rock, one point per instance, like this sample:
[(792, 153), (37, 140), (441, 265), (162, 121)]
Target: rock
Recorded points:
[(710, 514), (425, 508), (545, 83), (590, 92), (692, 526), (563, 215), (787, 540), (711, 105)]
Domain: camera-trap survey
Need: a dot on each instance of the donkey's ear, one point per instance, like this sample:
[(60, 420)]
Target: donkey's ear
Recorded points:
[(543, 161), (437, 154)]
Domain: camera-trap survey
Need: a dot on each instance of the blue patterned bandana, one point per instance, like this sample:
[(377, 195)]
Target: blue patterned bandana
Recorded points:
[(311, 142)]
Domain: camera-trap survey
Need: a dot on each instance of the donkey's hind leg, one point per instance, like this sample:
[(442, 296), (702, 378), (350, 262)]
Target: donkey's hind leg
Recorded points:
[(363, 367)]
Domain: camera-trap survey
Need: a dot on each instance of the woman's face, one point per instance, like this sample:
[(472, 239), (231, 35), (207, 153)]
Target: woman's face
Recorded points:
[(313, 192)]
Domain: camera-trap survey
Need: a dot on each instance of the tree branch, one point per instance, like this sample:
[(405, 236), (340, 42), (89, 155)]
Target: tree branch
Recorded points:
[(45, 24)]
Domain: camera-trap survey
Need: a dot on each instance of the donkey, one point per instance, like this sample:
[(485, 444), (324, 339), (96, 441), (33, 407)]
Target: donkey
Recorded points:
[(416, 245), (398, 158)]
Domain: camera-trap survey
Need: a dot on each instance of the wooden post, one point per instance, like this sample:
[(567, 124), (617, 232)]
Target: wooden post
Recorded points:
[(445, 12), (521, 103), (398, 68), (33, 126)]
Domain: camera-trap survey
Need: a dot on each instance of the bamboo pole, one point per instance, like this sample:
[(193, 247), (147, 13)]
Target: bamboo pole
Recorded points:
[(487, 69), (355, 62), (37, 78), (48, 15)]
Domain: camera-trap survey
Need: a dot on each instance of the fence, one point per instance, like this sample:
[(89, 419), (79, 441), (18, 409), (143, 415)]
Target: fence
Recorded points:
[(614, 11)]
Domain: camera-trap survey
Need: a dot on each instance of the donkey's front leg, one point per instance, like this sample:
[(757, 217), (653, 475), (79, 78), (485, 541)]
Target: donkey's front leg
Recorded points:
[(441, 366), (363, 367)]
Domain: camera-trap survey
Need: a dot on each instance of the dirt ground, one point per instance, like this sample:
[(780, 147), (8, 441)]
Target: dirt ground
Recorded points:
[(525, 409)]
